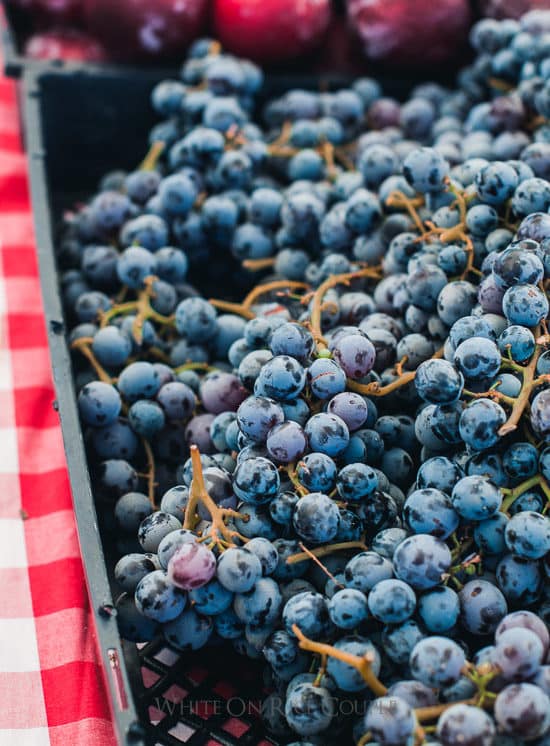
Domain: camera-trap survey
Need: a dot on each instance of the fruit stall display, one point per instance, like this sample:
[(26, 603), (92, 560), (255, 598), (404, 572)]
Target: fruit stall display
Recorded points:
[(312, 363)]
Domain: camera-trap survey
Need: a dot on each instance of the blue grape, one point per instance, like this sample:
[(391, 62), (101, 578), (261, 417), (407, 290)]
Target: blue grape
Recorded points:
[(465, 725), (345, 676), (527, 534), (439, 609), (392, 601), (156, 598), (316, 518), (482, 607), (390, 720), (421, 560), (437, 661), (430, 511)]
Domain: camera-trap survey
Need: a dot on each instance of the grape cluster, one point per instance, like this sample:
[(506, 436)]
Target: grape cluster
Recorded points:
[(346, 473)]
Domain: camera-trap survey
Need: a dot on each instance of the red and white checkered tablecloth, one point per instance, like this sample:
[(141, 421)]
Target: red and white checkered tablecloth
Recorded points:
[(51, 686)]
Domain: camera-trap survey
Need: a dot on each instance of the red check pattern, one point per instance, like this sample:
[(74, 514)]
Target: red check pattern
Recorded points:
[(51, 685)]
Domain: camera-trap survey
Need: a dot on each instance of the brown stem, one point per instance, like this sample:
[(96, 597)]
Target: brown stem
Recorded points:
[(374, 388), (195, 366), (142, 309), (523, 399), (361, 663), (433, 712), (255, 265), (198, 493), (150, 471), (400, 199), (83, 345), (153, 154), (291, 472), (325, 550), (327, 151), (512, 494), (237, 308), (365, 738), (319, 294), (490, 394), (243, 309), (260, 290)]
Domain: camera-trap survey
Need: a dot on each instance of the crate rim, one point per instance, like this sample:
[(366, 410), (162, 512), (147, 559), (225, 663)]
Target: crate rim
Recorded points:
[(126, 723)]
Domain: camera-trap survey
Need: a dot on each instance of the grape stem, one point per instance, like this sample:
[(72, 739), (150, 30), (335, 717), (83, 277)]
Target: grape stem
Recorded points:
[(324, 287), (255, 265), (198, 493), (363, 664), (521, 402), (491, 394), (243, 309), (433, 712), (366, 738), (317, 552), (511, 495), (150, 474), (398, 199), (374, 388), (150, 161), (291, 472), (142, 309), (205, 367), (84, 346)]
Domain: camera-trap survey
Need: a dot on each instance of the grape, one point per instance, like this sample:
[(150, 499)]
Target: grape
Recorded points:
[(421, 560), (348, 608), (154, 528), (191, 566), (436, 661), (256, 480), (132, 624), (392, 601), (345, 676), (238, 569), (259, 606), (437, 382), (439, 609), (156, 598), (476, 498), (430, 511), (286, 442), (309, 709), (527, 535), (465, 725), (327, 433), (482, 607), (316, 518), (131, 509), (99, 403), (523, 711), (189, 631), (518, 654), (309, 612), (131, 568), (257, 415), (480, 422), (390, 720), (519, 579), (527, 620), (367, 569)]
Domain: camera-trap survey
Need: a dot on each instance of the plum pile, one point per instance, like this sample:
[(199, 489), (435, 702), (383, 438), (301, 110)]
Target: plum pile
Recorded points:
[(345, 472)]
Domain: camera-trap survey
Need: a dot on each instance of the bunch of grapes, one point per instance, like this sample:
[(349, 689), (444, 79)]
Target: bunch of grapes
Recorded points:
[(345, 471)]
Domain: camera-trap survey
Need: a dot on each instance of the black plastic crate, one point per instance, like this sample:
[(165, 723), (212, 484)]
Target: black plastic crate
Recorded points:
[(78, 125)]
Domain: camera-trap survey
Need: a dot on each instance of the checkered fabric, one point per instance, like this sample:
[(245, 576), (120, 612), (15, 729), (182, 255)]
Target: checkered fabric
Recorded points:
[(51, 685)]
